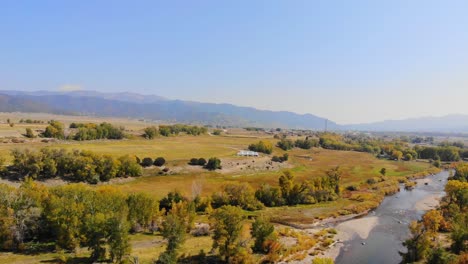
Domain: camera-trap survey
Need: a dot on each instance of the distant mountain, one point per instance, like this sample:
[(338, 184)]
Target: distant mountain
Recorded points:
[(158, 108), (124, 97), (20, 104), (448, 123)]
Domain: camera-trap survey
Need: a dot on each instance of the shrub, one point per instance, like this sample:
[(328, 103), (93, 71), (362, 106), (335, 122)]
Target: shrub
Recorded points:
[(213, 164), (146, 162), (201, 161), (262, 146), (193, 161), (240, 195), (159, 161), (285, 144), (283, 158)]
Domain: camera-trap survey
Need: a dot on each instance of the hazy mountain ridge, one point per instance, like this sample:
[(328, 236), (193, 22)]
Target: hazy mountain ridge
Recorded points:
[(159, 108), (448, 123), (155, 107)]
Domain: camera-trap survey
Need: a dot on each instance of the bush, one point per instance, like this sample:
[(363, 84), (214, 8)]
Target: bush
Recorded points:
[(159, 161), (29, 133), (147, 162), (283, 158), (240, 195), (285, 144), (262, 146), (213, 164), (201, 161)]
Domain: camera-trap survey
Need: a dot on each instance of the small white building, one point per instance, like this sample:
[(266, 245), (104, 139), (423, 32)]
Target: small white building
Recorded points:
[(247, 153)]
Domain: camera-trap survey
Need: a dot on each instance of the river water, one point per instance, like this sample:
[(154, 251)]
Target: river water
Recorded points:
[(394, 215)]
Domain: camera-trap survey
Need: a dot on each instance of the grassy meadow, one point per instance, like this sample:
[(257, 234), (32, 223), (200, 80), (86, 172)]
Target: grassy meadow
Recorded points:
[(357, 168)]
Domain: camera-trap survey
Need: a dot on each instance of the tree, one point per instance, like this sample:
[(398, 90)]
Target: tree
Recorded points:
[(174, 229), (54, 130), (269, 196), (150, 132), (29, 133), (383, 171), (227, 226), (291, 191), (432, 221), (213, 164), (201, 162), (334, 176), (262, 146), (159, 161), (146, 162), (118, 240), (262, 230), (143, 210), (397, 155), (285, 144), (240, 195)]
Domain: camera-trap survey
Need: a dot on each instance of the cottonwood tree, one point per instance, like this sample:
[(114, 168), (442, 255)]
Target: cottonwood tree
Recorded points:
[(227, 226)]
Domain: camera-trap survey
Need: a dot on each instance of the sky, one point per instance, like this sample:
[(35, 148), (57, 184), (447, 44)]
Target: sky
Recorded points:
[(348, 61)]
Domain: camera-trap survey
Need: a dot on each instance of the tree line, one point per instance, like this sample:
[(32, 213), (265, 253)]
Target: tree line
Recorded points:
[(426, 244), (74, 216), (173, 130), (74, 165)]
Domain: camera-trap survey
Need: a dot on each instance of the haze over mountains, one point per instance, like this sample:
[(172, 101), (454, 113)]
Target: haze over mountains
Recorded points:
[(158, 108)]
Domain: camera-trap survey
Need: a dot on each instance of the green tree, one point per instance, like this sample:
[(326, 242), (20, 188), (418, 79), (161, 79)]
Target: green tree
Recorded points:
[(291, 191), (29, 133), (383, 171), (159, 161), (146, 162), (174, 228), (213, 164), (227, 226), (150, 132), (54, 130), (262, 230)]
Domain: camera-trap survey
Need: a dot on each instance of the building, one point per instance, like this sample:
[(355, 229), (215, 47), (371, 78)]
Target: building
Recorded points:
[(247, 153)]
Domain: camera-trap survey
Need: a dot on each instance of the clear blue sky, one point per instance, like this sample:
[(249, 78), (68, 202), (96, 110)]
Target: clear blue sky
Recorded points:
[(349, 61)]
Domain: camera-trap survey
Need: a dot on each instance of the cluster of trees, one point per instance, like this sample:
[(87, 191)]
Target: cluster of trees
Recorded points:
[(446, 153), (213, 163), (451, 218), (73, 165), (91, 131), (291, 192), (74, 216), (29, 121), (55, 129), (197, 162), (147, 162), (283, 158), (168, 130), (288, 192), (262, 146), (287, 144), (395, 149), (101, 219)]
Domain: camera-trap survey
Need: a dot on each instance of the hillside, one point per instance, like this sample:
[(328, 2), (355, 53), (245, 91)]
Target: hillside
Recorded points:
[(157, 108)]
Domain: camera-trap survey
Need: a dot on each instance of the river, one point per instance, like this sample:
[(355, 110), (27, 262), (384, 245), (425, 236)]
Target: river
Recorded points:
[(391, 224)]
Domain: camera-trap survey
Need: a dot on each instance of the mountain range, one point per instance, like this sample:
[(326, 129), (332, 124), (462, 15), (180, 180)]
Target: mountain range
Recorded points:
[(157, 108)]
